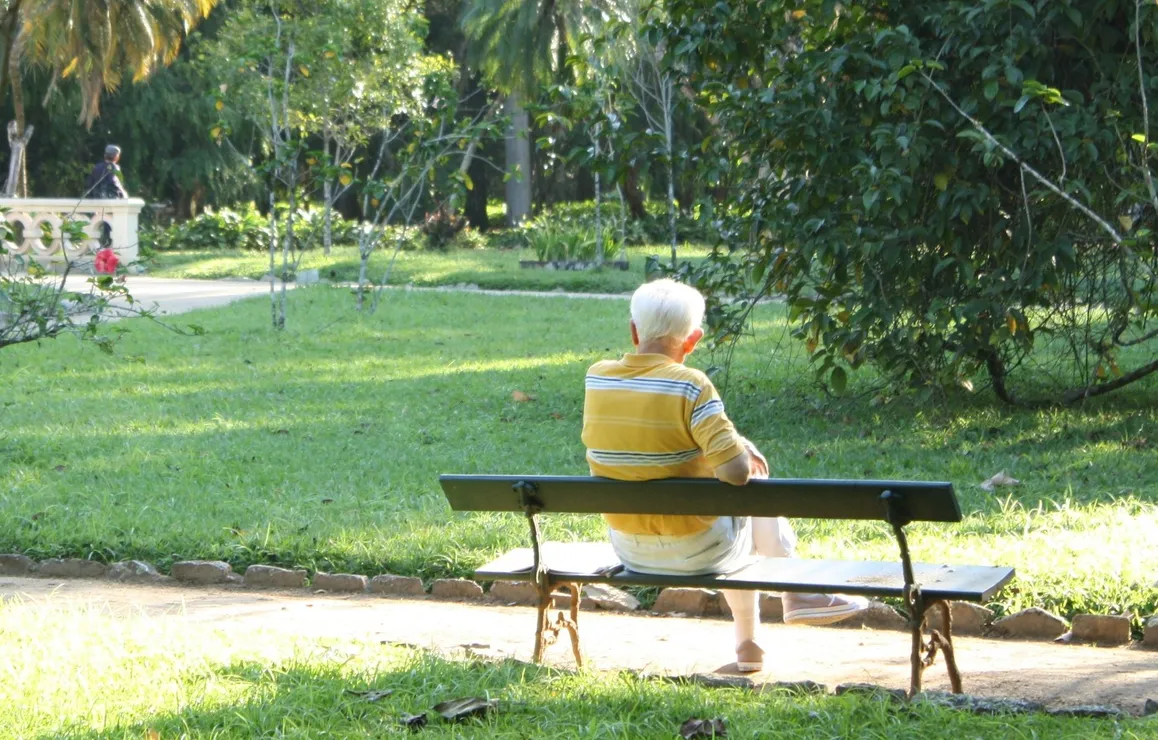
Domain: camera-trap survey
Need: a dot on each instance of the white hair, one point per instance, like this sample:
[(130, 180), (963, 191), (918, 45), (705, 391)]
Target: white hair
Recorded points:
[(665, 309)]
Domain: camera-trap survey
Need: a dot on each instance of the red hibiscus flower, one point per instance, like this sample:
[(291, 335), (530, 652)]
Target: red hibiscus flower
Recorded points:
[(106, 262)]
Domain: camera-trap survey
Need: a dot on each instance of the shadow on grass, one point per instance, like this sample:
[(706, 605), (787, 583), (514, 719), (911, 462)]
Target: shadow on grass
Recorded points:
[(300, 699)]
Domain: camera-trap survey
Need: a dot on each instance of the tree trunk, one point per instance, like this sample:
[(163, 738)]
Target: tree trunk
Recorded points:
[(288, 243), (476, 197), (598, 210), (363, 270), (328, 199), (10, 29), (518, 145), (273, 242), (671, 202), (18, 136), (635, 200), (327, 216), (622, 219)]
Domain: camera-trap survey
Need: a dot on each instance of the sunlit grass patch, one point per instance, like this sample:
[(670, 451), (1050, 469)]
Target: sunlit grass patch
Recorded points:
[(321, 447), (486, 268)]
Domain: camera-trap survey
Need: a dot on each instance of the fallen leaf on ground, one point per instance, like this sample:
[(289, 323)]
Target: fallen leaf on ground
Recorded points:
[(521, 397), (414, 721), (1001, 479), (459, 709), (373, 695), (694, 728), (152, 734)]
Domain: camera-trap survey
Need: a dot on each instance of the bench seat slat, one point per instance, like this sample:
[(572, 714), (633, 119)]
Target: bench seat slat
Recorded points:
[(587, 562)]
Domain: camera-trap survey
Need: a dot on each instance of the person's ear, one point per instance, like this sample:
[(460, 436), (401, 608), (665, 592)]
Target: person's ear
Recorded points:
[(692, 340), (634, 335)]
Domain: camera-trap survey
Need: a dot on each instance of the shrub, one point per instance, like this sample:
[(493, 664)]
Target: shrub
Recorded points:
[(243, 228), (652, 229), (941, 190), (441, 226), (310, 227), (469, 239), (553, 238)]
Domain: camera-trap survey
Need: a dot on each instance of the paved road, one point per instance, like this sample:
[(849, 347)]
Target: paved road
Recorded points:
[(172, 296), (1057, 675)]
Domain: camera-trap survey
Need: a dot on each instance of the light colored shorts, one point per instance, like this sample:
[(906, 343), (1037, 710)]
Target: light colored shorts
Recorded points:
[(724, 547)]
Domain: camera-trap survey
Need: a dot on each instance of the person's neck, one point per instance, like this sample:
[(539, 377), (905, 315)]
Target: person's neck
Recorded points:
[(673, 350)]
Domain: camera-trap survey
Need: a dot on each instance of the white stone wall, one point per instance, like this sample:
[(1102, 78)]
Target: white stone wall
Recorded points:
[(31, 213)]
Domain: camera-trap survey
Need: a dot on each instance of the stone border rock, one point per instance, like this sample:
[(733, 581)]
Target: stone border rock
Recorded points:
[(968, 619)]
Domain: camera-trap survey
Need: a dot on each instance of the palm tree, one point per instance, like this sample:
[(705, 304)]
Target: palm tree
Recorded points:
[(519, 45), (96, 42)]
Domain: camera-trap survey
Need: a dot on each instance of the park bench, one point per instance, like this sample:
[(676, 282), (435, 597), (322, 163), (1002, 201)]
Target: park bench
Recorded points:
[(549, 566)]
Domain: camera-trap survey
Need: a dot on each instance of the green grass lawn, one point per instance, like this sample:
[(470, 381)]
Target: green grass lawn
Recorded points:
[(320, 447), (83, 675), (487, 268)]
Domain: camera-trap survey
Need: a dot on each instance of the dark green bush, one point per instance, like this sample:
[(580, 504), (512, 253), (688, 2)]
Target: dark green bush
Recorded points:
[(554, 237), (652, 229), (947, 191), (243, 228)]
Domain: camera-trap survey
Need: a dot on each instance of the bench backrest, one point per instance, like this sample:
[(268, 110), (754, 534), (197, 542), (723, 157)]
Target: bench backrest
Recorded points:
[(803, 499)]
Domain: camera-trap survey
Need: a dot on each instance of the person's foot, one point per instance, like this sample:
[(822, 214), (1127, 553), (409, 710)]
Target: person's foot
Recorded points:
[(749, 657), (820, 609)]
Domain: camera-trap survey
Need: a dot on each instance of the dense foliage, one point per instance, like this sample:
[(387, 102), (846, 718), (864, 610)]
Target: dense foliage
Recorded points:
[(940, 188), (246, 229)]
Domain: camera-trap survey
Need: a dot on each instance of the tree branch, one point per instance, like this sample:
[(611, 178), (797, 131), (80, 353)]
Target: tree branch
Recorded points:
[(1050, 184), (1080, 394), (1145, 106)]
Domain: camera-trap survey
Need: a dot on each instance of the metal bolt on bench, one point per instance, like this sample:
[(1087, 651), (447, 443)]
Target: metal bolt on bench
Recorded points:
[(550, 565)]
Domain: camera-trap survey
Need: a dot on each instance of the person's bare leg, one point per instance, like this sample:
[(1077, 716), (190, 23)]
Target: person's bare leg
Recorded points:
[(774, 538), (745, 616)]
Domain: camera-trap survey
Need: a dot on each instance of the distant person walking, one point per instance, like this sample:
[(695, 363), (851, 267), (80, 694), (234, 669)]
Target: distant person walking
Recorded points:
[(104, 181)]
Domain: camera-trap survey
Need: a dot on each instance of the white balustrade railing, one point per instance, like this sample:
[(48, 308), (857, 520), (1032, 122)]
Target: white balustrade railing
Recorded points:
[(27, 217)]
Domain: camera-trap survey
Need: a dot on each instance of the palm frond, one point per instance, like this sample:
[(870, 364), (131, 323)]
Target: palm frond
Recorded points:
[(99, 41)]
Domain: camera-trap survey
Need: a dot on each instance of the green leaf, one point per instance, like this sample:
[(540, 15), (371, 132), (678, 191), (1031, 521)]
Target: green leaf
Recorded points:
[(838, 380), (1020, 103), (1139, 138), (991, 89), (946, 262), (941, 181), (469, 183), (905, 71)]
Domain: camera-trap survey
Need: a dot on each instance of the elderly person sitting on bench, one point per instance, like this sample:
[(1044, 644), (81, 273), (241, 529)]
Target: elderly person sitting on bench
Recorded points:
[(648, 416)]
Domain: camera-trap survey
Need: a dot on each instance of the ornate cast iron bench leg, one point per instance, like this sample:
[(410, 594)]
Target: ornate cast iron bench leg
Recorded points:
[(923, 654), (547, 633)]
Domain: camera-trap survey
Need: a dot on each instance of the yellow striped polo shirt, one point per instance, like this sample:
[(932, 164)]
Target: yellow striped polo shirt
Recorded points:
[(647, 417)]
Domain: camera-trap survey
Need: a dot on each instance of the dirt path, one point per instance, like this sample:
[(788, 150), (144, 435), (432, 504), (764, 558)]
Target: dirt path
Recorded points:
[(1056, 675)]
